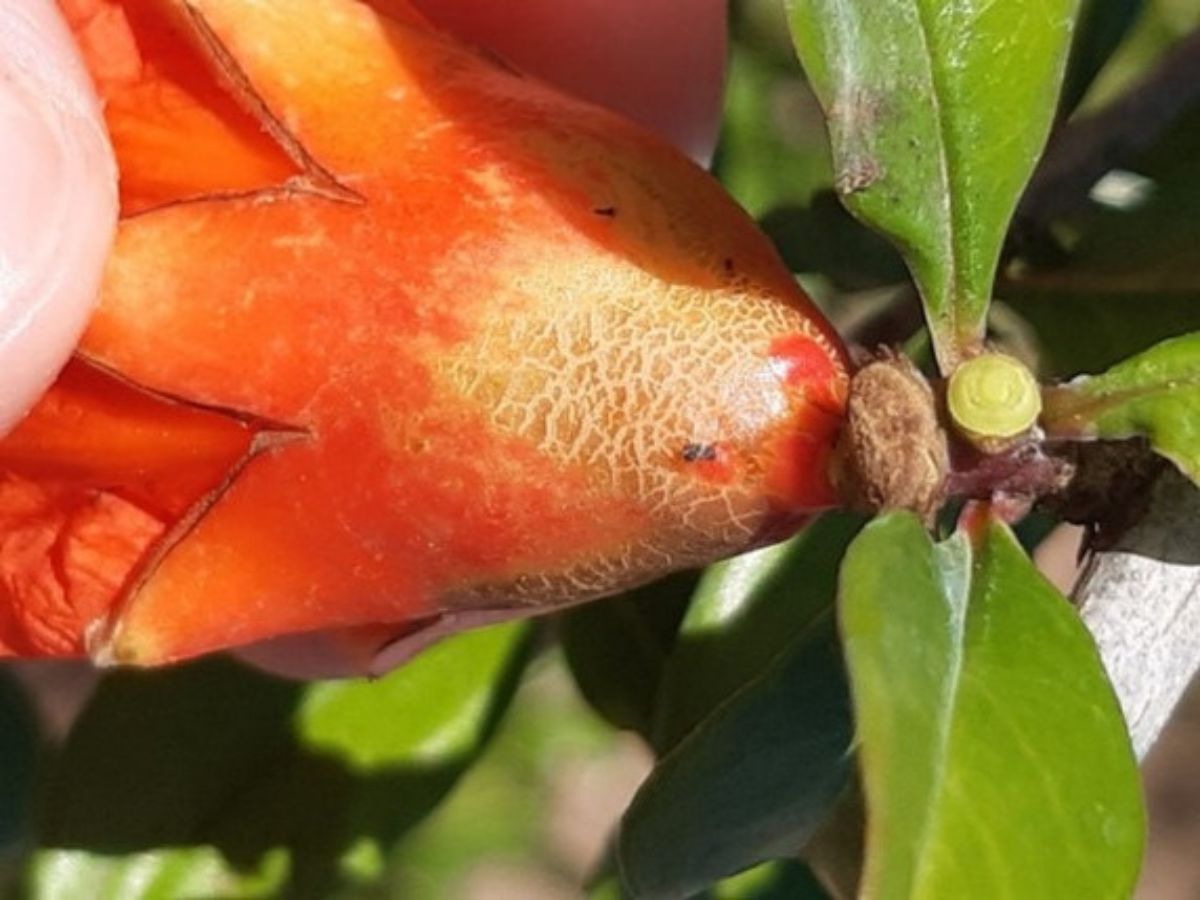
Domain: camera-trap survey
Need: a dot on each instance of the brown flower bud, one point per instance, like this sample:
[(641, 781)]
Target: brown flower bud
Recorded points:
[(892, 453)]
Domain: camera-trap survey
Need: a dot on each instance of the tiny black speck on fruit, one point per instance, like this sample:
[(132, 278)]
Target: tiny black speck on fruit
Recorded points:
[(694, 452)]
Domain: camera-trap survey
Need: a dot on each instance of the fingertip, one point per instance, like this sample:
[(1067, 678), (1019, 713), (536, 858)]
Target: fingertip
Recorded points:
[(659, 62), (58, 181)]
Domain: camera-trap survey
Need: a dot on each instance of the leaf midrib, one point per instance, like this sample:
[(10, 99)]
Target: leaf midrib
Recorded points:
[(949, 301), (949, 703), (1090, 407)]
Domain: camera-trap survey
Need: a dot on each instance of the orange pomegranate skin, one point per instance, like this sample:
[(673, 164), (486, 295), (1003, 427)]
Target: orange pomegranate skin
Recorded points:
[(392, 334)]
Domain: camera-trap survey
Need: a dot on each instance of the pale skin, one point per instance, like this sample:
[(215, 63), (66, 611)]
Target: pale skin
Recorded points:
[(658, 61), (58, 204)]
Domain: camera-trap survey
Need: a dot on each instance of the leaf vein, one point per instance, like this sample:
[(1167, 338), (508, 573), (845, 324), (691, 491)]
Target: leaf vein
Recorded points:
[(949, 311)]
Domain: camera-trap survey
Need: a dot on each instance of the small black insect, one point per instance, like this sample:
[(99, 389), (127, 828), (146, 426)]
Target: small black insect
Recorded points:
[(607, 211), (693, 452)]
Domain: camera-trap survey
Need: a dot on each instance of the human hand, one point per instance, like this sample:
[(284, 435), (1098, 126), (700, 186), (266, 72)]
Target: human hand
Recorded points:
[(58, 201), (660, 62)]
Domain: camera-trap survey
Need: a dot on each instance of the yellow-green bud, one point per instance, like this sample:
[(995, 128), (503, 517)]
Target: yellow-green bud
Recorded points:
[(993, 397)]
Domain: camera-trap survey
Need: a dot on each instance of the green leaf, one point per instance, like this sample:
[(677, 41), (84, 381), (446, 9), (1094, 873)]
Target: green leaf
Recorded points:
[(995, 761), (744, 613), (168, 874), (784, 880), (750, 783), (937, 112), (508, 808), (18, 758), (617, 648), (1155, 394), (227, 764), (155, 754), (788, 879), (438, 708)]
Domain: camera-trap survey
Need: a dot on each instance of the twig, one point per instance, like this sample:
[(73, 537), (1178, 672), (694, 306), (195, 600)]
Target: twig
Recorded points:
[(1141, 600)]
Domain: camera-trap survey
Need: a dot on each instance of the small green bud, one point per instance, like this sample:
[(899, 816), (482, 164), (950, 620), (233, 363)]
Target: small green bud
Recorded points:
[(993, 397)]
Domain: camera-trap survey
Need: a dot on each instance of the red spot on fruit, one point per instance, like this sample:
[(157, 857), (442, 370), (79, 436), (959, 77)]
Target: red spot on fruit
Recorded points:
[(804, 363), (799, 477)]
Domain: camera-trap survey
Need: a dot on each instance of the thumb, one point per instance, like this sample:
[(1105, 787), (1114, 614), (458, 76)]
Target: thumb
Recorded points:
[(660, 62), (58, 201)]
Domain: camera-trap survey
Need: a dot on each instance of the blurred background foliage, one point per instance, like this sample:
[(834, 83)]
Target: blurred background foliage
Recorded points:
[(499, 764)]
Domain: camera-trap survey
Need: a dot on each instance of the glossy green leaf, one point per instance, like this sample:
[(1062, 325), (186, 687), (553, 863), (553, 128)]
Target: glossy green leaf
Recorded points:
[(937, 112), (744, 613), (1155, 394), (750, 783), (227, 764), (617, 648), (995, 761)]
